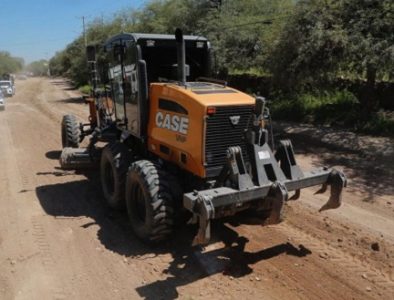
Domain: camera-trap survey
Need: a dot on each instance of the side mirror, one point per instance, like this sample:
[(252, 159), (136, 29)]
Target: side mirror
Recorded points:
[(260, 106), (118, 51), (143, 80), (91, 53)]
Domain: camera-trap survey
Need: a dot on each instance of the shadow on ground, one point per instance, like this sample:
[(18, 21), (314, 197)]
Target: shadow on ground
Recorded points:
[(66, 85), (368, 171), (73, 100), (83, 198), (53, 155)]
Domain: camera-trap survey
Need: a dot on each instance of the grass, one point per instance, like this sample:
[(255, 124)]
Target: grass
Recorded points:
[(380, 123), (325, 107), (85, 89), (335, 108)]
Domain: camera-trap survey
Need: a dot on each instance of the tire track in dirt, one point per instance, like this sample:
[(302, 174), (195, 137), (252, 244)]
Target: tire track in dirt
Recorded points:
[(5, 289), (272, 258), (356, 267), (23, 181), (57, 106), (44, 228), (38, 101), (48, 261), (8, 174), (8, 210)]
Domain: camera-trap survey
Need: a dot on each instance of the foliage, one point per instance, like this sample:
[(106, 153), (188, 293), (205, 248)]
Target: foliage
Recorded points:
[(325, 38), (310, 42), (334, 108), (238, 30), (85, 89), (325, 107), (369, 26), (9, 64), (242, 33), (304, 45), (380, 124)]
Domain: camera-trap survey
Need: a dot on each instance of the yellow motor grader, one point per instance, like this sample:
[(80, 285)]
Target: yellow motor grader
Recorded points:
[(175, 139)]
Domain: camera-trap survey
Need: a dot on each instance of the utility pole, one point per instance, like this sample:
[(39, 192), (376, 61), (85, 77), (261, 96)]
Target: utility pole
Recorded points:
[(84, 31)]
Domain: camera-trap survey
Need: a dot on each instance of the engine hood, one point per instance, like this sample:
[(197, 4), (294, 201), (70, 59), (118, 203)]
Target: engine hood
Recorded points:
[(209, 94)]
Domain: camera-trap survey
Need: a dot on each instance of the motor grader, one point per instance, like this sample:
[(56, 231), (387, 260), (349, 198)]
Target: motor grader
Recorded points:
[(169, 139)]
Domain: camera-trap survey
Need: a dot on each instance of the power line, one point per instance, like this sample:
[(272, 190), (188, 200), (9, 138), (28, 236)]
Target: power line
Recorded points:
[(265, 22)]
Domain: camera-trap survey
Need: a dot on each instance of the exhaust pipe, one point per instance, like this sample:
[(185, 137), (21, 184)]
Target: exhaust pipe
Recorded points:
[(181, 56)]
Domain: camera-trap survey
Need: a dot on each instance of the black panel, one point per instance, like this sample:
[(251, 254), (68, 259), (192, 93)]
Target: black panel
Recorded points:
[(221, 133), (183, 158), (164, 149), (215, 92), (172, 106)]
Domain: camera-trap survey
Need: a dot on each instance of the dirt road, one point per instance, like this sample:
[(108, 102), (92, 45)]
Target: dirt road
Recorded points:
[(58, 241)]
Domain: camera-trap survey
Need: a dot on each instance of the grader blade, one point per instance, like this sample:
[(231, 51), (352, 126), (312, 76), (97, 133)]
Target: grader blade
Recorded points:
[(76, 158)]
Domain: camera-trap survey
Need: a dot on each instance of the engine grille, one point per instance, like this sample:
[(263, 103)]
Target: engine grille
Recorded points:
[(224, 131)]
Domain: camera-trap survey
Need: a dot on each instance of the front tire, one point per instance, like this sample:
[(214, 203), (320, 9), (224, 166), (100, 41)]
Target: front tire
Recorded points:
[(70, 132), (149, 201), (115, 160)]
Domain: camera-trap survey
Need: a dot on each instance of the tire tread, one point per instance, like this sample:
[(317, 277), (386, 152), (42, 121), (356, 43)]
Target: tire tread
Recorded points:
[(71, 131), (155, 181)]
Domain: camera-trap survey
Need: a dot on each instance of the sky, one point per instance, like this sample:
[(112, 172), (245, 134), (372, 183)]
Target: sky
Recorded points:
[(36, 29)]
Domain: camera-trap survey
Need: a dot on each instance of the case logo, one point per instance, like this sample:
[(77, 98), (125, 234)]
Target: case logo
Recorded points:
[(172, 122), (234, 120)]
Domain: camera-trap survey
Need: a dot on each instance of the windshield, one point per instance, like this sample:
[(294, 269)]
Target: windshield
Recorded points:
[(5, 83)]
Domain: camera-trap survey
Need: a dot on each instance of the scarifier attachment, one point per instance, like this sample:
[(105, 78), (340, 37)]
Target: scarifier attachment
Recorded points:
[(206, 212), (266, 187), (76, 158), (337, 181)]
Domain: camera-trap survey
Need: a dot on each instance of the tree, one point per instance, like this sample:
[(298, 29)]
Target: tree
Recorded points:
[(241, 32), (9, 64), (370, 53), (325, 39)]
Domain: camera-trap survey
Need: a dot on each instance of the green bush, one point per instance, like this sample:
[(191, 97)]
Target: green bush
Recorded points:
[(379, 124), (323, 108), (85, 89), (339, 108)]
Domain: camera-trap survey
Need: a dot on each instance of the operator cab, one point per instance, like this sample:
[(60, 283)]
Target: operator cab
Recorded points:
[(136, 60)]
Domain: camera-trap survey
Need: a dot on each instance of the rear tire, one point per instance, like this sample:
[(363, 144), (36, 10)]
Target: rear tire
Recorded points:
[(149, 201), (70, 132), (115, 160)]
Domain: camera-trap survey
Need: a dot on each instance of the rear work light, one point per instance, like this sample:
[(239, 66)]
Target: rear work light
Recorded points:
[(211, 110)]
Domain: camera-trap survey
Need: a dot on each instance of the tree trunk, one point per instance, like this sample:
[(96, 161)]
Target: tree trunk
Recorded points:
[(368, 99)]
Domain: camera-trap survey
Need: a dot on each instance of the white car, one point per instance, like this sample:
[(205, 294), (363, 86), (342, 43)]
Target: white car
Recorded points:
[(7, 88), (2, 101)]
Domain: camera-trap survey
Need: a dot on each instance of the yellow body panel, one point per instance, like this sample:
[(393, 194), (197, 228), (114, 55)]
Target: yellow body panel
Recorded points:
[(177, 133)]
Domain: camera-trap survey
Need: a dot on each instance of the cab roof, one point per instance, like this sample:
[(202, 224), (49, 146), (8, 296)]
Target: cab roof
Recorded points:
[(134, 37)]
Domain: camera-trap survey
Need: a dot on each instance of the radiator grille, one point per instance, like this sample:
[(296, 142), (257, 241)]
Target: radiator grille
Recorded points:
[(224, 131)]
